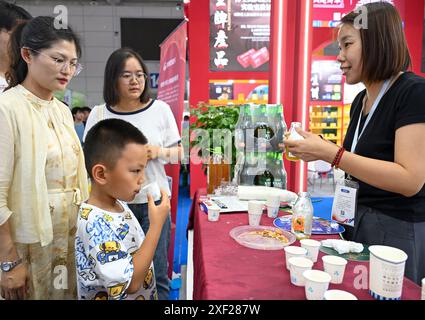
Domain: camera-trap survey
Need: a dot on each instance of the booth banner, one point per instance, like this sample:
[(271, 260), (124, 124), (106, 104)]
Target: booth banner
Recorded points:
[(172, 66), (171, 88), (326, 81), (239, 35), (333, 10)]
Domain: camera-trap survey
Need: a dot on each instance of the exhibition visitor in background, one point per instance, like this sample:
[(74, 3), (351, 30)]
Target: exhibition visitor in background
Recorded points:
[(126, 95)]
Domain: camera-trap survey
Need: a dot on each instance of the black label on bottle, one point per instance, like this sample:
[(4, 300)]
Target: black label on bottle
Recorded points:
[(267, 132), (264, 179)]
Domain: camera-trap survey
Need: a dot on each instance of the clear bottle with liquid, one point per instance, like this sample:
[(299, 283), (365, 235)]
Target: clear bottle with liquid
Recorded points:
[(279, 172), (218, 170), (247, 176), (281, 124), (263, 128), (293, 135), (240, 129), (302, 216)]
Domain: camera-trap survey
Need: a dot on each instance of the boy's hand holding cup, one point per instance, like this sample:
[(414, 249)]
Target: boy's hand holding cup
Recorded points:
[(158, 213)]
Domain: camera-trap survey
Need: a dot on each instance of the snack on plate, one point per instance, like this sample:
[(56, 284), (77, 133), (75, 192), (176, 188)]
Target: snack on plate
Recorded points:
[(343, 246), (271, 234)]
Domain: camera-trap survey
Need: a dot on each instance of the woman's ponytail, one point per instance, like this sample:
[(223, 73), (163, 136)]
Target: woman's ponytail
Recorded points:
[(18, 68)]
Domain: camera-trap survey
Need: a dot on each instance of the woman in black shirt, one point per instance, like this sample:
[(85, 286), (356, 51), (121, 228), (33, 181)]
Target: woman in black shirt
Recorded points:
[(384, 149)]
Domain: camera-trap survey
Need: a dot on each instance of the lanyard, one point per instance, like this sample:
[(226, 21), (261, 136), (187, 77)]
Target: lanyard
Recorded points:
[(357, 136)]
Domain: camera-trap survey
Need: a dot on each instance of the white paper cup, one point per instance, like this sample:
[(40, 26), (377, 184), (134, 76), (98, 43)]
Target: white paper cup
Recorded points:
[(273, 200), (150, 187), (254, 219), (316, 284), (312, 247), (335, 267), (297, 266), (213, 214), (386, 272), (272, 212), (423, 289), (339, 295), (255, 206), (293, 251), (255, 211)]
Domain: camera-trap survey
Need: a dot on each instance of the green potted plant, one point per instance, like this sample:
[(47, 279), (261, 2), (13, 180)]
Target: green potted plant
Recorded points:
[(210, 118)]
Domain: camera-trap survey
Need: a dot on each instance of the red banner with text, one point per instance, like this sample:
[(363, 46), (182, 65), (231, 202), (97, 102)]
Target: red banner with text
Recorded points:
[(171, 89)]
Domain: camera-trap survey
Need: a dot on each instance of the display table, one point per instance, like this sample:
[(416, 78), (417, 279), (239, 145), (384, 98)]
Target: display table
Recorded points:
[(225, 270)]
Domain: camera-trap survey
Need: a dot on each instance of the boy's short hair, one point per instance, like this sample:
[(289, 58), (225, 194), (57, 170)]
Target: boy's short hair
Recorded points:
[(106, 140), (86, 108)]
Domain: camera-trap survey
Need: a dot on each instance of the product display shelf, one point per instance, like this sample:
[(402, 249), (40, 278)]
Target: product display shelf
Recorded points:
[(331, 121)]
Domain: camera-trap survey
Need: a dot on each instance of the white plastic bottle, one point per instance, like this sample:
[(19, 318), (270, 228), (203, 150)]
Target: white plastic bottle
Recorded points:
[(293, 135)]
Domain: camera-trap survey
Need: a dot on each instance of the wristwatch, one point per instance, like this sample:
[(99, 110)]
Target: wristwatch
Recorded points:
[(9, 266)]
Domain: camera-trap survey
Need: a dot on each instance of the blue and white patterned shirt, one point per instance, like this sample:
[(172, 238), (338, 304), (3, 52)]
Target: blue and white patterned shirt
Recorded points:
[(104, 244)]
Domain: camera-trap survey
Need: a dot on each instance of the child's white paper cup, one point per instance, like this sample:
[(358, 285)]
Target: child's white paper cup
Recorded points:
[(254, 219), (423, 289), (273, 200), (272, 212), (339, 295), (335, 267), (312, 247), (316, 284), (297, 266), (213, 214), (255, 206), (255, 211), (293, 251)]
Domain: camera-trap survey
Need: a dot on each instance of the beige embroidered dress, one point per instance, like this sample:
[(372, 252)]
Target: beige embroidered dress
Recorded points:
[(51, 264)]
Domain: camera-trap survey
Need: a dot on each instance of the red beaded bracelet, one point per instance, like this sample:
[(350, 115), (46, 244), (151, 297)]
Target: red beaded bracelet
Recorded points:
[(338, 157)]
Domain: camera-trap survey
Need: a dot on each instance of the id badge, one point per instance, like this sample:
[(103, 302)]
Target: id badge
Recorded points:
[(345, 202)]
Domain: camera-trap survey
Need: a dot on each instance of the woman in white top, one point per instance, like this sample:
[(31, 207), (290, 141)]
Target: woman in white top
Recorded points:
[(126, 95), (42, 173)]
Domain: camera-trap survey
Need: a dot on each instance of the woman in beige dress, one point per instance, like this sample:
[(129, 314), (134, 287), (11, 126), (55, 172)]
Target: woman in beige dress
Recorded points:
[(42, 174)]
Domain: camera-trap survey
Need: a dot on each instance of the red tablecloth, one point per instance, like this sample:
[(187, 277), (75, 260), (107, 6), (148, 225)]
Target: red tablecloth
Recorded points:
[(225, 270)]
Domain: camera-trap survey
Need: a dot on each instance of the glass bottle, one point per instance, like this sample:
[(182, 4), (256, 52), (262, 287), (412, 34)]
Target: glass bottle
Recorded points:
[(302, 216), (279, 172), (293, 135), (263, 133), (245, 177), (263, 177), (248, 127), (218, 170), (240, 129), (281, 124)]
